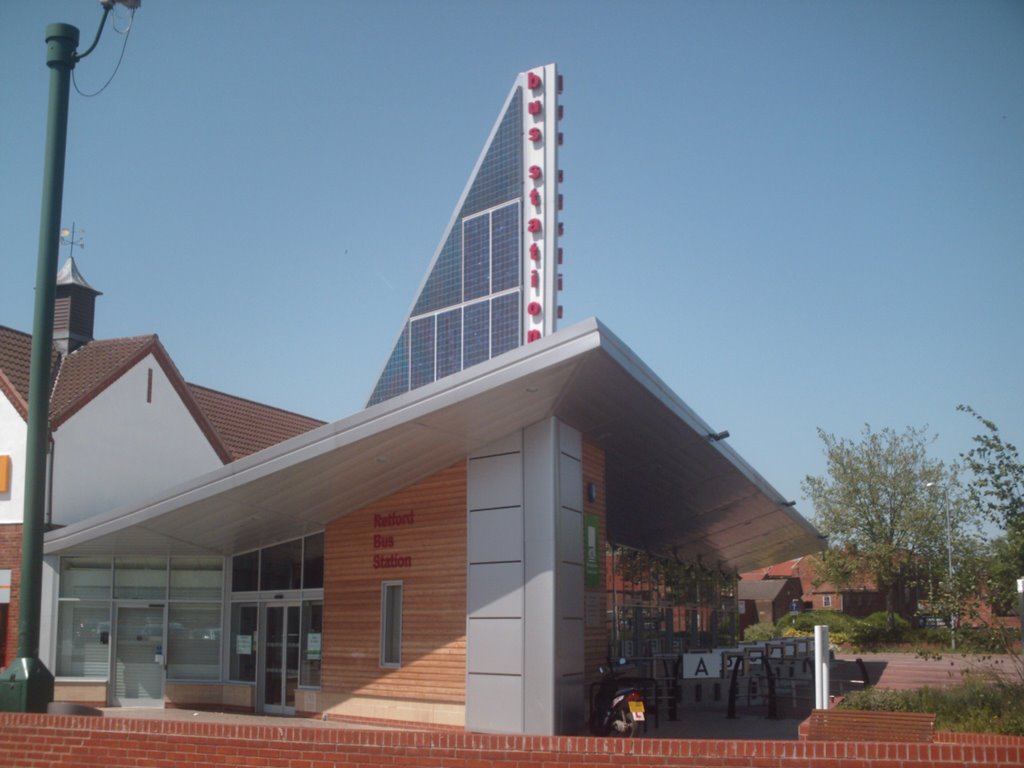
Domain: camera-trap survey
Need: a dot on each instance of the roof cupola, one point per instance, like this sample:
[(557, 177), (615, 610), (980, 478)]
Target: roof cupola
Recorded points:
[(74, 309)]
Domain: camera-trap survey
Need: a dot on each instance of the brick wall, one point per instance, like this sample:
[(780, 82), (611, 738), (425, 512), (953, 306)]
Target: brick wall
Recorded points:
[(48, 741), (10, 557)]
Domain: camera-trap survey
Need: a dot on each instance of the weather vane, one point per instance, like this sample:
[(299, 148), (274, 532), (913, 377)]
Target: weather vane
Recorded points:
[(72, 238)]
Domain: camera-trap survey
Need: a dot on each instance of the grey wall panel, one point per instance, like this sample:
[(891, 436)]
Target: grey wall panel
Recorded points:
[(570, 591), (511, 443), (570, 442), (540, 465), (570, 482), (496, 703), (496, 535), (496, 481), (572, 706), (496, 590), (569, 646), (494, 646), (570, 536)]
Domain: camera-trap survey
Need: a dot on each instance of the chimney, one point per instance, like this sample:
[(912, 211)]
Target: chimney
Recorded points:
[(74, 309)]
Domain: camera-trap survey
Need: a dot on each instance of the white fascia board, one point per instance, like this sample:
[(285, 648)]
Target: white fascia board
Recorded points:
[(395, 413)]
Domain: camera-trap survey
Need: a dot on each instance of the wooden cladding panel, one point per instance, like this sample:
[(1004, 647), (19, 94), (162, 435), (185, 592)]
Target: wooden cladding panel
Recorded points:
[(428, 555)]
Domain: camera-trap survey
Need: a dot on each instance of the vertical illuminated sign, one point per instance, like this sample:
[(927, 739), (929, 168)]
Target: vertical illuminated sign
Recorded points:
[(541, 202)]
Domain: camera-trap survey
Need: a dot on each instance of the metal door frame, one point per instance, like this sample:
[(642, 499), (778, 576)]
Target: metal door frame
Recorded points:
[(118, 606), (261, 659)]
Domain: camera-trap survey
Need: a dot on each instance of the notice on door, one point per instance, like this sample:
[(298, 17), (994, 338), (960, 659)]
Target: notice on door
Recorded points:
[(243, 645), (313, 645)]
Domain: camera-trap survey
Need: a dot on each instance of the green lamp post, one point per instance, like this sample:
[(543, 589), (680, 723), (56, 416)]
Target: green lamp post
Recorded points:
[(26, 685)]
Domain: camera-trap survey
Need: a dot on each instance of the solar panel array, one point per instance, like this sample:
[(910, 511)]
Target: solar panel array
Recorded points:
[(469, 309)]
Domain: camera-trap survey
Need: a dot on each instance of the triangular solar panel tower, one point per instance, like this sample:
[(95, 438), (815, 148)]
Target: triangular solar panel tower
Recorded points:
[(494, 280)]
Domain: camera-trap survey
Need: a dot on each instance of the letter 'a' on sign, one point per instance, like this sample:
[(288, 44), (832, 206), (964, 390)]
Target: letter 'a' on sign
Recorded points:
[(472, 304)]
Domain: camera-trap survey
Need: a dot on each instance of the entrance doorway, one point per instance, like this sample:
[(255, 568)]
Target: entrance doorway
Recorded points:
[(138, 658), (280, 662)]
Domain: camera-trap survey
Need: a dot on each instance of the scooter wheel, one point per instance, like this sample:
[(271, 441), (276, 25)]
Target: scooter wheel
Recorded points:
[(622, 723)]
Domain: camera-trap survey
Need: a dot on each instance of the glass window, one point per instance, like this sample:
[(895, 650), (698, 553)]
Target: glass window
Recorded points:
[(245, 571), (244, 621), (312, 643), (504, 323), (85, 577), (422, 335), (313, 562), (140, 578), (395, 378), (83, 639), (391, 624), (281, 566), (196, 578), (449, 343), (476, 256), (193, 641), (505, 267), (476, 333)]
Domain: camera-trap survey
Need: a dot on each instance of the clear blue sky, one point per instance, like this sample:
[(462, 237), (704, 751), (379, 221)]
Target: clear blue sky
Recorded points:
[(799, 214)]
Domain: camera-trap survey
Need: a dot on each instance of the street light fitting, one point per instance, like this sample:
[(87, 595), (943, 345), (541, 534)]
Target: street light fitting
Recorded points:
[(129, 4)]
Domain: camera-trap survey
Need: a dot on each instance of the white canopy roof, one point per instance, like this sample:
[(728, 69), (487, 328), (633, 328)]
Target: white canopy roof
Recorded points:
[(670, 489)]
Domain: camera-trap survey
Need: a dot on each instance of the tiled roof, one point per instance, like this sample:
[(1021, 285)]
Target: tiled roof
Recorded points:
[(236, 427), (90, 369), (778, 571), (16, 358), (247, 427), (768, 589)]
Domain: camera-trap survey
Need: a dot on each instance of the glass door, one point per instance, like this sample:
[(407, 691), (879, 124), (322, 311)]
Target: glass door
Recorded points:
[(138, 658), (281, 658)]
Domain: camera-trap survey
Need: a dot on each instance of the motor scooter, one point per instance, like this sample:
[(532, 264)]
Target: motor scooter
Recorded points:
[(616, 706)]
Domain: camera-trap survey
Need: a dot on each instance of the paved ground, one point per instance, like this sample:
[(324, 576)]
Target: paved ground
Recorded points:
[(895, 670), (906, 670)]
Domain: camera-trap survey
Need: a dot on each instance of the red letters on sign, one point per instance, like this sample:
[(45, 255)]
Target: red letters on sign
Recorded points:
[(533, 82), (533, 308), (535, 172), (535, 135), (533, 225), (534, 107), (532, 336), (535, 197), (534, 278), (534, 251)]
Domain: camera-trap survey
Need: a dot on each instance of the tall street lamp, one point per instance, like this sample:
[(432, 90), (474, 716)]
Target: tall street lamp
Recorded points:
[(26, 685), (949, 554)]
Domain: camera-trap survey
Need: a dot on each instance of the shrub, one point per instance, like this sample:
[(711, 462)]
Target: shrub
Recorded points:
[(803, 624), (764, 630), (977, 705), (874, 630)]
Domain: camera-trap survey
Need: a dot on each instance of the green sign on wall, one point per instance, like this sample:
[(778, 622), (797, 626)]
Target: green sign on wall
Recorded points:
[(591, 563)]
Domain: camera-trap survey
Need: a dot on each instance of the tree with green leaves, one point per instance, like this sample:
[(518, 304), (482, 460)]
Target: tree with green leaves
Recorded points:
[(876, 505), (996, 488)]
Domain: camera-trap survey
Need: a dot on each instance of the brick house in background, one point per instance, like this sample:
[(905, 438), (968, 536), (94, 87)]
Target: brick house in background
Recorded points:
[(856, 599), (124, 424), (768, 600)]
